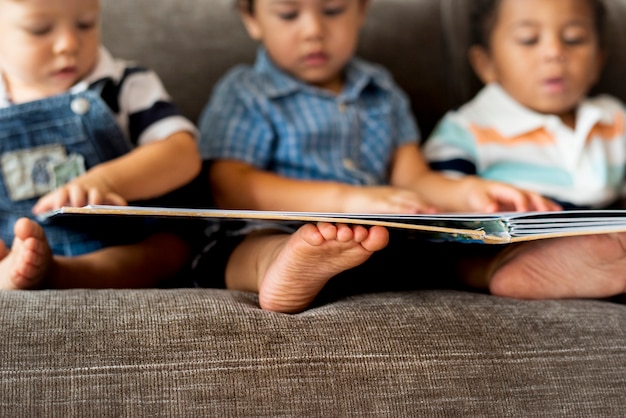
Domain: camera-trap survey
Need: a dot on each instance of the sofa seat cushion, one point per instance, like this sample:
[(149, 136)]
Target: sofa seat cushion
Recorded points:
[(194, 352)]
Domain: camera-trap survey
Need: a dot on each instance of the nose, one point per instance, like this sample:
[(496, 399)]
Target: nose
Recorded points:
[(313, 26), (66, 41), (554, 49)]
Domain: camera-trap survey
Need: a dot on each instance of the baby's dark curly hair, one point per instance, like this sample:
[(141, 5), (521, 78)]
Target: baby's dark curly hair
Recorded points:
[(484, 13), (246, 6)]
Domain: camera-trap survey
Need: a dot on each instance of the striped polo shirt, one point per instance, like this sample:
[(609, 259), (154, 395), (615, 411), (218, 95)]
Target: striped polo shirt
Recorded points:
[(264, 117), (142, 107), (496, 138)]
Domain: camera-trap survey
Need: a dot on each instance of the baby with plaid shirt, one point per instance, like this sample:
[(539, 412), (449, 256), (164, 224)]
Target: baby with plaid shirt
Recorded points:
[(311, 127)]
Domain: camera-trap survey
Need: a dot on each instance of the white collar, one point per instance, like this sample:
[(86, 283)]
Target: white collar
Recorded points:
[(494, 107)]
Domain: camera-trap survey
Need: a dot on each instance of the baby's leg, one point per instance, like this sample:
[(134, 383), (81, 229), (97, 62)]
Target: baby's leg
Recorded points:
[(591, 266), (137, 265), (29, 261), (289, 271)]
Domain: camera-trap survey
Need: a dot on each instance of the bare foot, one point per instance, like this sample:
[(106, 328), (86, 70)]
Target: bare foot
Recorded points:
[(30, 258), (310, 257), (591, 266)]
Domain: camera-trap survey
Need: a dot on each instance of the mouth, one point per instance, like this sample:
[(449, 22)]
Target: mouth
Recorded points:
[(555, 85), (66, 72), (316, 59)]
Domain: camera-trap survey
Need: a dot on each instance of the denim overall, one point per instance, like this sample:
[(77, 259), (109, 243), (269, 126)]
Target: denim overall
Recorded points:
[(39, 140)]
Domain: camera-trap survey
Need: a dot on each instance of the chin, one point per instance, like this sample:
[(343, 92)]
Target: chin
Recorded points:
[(560, 107)]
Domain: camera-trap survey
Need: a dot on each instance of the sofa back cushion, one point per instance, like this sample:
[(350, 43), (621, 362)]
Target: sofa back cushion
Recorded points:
[(192, 43)]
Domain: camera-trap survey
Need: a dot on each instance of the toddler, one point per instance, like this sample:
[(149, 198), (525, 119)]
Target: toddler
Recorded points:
[(534, 126), (81, 127), (311, 127)]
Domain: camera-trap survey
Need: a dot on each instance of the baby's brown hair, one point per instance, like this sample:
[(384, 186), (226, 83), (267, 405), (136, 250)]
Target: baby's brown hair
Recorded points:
[(247, 6), (484, 13)]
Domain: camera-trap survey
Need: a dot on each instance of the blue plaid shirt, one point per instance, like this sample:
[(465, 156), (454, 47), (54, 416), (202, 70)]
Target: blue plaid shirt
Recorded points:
[(262, 116)]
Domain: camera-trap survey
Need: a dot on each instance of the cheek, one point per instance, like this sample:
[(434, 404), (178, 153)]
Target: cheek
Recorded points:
[(595, 69), (91, 41), (347, 34), (281, 50), (20, 60), (509, 68)]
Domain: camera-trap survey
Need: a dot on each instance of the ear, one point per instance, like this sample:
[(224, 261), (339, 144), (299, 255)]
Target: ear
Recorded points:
[(251, 24), (482, 64)]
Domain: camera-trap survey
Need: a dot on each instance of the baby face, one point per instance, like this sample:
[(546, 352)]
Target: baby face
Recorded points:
[(310, 39), (544, 53), (46, 46)]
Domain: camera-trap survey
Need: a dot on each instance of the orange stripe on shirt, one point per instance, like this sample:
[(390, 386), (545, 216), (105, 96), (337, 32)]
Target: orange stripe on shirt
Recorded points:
[(489, 135), (608, 132)]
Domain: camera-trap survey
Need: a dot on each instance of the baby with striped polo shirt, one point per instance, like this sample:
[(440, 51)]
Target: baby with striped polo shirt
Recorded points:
[(534, 126)]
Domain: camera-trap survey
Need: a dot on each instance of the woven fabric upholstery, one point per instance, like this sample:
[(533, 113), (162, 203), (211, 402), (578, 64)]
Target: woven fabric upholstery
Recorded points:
[(206, 352), (190, 352)]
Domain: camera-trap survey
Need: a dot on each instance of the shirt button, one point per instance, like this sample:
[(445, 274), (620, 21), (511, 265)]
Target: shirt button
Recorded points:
[(80, 106), (349, 164), (342, 107)]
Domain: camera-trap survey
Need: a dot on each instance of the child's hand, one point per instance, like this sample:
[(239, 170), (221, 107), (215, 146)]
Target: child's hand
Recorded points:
[(385, 199), (490, 196), (79, 192)]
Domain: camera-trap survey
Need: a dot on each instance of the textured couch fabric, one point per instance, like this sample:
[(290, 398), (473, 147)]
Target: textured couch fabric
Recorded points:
[(192, 352), (210, 352)]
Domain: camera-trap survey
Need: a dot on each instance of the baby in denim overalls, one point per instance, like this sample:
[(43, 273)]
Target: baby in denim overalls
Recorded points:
[(79, 127)]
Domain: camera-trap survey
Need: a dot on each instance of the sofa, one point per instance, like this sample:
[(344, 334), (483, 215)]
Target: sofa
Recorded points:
[(431, 351)]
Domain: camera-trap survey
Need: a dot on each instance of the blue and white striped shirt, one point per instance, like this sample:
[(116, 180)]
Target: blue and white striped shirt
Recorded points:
[(142, 107), (264, 117)]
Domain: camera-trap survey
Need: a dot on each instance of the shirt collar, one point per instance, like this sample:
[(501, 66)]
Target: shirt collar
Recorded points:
[(107, 67), (359, 75), (493, 106)]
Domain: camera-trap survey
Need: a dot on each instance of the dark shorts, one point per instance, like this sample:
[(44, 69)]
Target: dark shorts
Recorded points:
[(219, 241), (407, 263)]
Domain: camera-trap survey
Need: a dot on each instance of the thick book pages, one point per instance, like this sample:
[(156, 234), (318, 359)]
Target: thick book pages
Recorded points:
[(496, 228)]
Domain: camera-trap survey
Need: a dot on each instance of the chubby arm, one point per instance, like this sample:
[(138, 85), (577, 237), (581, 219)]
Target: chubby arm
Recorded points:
[(146, 172), (464, 194), (238, 185), (414, 188)]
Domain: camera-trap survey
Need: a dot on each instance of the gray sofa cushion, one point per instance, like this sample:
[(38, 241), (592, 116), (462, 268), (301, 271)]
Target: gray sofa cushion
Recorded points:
[(192, 352), (208, 352)]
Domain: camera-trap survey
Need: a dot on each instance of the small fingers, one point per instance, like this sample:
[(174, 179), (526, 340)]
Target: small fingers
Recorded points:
[(78, 195), (515, 198), (540, 203), (51, 201), (510, 197), (114, 199), (96, 197)]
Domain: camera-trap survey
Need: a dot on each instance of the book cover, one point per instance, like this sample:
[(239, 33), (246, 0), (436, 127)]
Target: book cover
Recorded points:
[(495, 228)]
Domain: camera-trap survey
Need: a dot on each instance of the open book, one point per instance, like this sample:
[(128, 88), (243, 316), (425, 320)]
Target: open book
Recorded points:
[(497, 228)]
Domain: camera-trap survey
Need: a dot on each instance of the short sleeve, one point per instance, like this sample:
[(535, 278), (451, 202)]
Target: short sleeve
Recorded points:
[(451, 148), (404, 122), (233, 124), (151, 114)]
